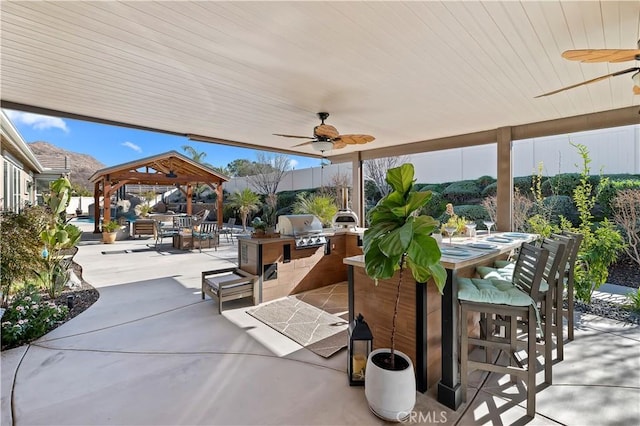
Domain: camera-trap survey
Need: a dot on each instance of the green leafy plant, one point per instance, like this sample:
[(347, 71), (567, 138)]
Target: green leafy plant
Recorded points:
[(20, 246), (258, 225), (322, 206), (634, 301), (28, 317), (110, 226), (451, 218), (398, 238), (57, 236), (602, 242)]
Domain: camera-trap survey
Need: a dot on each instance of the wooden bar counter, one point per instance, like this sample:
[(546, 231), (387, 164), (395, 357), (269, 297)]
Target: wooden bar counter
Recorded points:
[(427, 329)]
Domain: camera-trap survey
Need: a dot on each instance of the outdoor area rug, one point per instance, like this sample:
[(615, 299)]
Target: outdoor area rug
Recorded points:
[(319, 331)]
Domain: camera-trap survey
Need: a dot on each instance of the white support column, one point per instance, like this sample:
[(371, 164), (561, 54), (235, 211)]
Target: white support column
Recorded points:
[(504, 220), (357, 184)]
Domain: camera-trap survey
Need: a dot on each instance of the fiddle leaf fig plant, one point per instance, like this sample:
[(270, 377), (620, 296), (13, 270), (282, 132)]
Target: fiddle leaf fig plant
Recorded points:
[(399, 238)]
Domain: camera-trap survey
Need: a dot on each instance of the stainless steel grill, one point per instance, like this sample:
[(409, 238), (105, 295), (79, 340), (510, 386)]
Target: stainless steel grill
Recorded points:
[(306, 229)]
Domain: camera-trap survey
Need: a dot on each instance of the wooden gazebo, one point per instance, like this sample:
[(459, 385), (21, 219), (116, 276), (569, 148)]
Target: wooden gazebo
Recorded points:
[(169, 168)]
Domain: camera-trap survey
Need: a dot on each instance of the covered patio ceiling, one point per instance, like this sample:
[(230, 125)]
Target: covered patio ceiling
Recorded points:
[(404, 72), (418, 76)]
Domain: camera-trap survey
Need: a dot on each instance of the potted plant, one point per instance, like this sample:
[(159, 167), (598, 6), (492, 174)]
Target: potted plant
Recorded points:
[(110, 231), (398, 238), (259, 227)]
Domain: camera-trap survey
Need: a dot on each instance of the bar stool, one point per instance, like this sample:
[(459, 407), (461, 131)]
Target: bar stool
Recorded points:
[(569, 275), (550, 286), (512, 300)]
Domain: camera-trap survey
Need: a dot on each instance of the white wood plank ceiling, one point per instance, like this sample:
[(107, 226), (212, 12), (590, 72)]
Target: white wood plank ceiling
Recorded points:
[(401, 71)]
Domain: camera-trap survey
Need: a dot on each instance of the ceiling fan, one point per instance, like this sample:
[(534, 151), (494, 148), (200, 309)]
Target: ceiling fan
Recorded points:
[(326, 137), (604, 55)]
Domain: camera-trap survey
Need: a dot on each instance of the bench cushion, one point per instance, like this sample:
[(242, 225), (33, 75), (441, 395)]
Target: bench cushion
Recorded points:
[(214, 282)]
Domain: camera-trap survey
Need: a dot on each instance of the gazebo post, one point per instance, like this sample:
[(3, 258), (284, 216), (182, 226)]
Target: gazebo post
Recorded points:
[(220, 217), (107, 199), (189, 195), (96, 208)]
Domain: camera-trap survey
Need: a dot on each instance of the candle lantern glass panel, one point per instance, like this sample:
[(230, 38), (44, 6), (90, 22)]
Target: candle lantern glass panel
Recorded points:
[(360, 345)]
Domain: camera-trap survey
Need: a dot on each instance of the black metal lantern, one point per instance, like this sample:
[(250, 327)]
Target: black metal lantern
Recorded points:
[(360, 344)]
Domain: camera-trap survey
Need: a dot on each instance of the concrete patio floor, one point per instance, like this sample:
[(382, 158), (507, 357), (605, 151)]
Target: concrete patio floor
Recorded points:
[(151, 352)]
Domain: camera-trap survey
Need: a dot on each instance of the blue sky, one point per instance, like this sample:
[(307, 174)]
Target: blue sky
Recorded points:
[(113, 145)]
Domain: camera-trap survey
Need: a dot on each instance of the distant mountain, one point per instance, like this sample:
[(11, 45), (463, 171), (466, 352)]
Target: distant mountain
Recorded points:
[(81, 165)]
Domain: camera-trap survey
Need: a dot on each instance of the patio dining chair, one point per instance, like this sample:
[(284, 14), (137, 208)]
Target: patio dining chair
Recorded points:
[(163, 231), (182, 222), (228, 228), (512, 300), (206, 231)]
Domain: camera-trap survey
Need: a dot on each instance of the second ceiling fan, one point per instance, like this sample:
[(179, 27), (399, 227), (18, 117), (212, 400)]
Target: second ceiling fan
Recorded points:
[(326, 137), (604, 55)]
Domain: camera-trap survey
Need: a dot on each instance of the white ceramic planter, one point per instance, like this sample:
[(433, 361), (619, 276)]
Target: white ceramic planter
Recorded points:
[(391, 394)]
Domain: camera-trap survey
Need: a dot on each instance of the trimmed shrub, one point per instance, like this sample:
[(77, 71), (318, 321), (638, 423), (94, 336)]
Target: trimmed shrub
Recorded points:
[(436, 205), (489, 190), (523, 184), (435, 187), (608, 189), (566, 183), (483, 181), (461, 192), (469, 212), (561, 205)]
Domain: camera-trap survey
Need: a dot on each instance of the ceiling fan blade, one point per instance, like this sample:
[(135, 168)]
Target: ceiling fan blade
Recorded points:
[(602, 55), (326, 131), (338, 143), (304, 143), (603, 77), (292, 136), (355, 139)]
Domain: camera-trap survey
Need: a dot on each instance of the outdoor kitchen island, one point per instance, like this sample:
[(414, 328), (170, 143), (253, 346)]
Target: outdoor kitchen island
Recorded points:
[(427, 327), (284, 268)]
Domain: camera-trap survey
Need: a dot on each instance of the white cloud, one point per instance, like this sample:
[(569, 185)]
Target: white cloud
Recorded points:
[(37, 121), (132, 145), (293, 163)]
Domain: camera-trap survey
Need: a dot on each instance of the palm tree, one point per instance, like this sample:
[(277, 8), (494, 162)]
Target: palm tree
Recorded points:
[(322, 206), (246, 201), (197, 156)]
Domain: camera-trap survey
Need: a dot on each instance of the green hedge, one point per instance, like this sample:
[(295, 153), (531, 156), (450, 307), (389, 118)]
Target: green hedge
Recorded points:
[(608, 189), (483, 181), (565, 183), (436, 205), (461, 192), (470, 212), (561, 205)]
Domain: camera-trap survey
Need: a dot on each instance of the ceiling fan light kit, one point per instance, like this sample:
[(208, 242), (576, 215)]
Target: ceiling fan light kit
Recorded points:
[(322, 146)]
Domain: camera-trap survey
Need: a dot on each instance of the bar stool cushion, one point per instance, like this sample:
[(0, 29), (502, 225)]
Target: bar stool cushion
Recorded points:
[(492, 291), (504, 273)]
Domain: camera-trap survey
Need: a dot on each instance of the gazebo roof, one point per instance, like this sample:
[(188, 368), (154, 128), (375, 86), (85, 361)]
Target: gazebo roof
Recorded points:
[(162, 169)]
